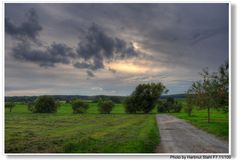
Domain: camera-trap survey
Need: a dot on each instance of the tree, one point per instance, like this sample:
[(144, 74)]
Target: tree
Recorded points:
[(189, 104), (79, 106), (144, 97), (9, 105), (212, 90), (221, 81), (105, 107), (43, 104)]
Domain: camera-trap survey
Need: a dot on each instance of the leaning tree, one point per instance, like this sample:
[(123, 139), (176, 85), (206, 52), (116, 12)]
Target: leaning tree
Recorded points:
[(144, 97)]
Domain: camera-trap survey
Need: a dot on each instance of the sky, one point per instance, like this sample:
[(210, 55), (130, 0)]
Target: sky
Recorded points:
[(93, 49)]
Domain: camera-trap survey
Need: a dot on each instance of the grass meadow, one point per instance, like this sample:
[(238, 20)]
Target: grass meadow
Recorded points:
[(64, 132), (118, 132), (219, 125)]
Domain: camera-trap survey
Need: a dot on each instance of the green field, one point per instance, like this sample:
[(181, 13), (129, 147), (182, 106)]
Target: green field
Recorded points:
[(118, 132), (66, 132), (217, 126)]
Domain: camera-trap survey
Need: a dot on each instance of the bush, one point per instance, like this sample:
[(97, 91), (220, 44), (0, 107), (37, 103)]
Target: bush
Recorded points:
[(79, 106), (169, 105), (177, 107), (105, 107), (43, 104), (129, 105), (144, 97), (31, 107), (161, 107)]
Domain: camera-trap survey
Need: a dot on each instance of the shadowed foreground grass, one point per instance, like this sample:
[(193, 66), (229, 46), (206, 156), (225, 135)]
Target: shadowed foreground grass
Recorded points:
[(84, 133)]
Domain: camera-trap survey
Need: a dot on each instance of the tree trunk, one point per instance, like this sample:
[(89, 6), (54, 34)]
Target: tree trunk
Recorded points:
[(208, 114)]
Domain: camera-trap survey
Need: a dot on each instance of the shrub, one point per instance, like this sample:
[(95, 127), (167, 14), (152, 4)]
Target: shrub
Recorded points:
[(169, 105), (144, 97), (68, 101), (161, 107), (43, 104), (31, 107), (129, 105), (79, 106), (177, 107), (105, 107)]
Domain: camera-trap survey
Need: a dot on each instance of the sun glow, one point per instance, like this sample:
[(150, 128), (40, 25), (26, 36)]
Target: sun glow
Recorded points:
[(126, 67), (136, 46)]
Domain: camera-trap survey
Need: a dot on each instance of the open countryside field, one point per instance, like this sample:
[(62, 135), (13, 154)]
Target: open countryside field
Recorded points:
[(66, 132), (93, 132)]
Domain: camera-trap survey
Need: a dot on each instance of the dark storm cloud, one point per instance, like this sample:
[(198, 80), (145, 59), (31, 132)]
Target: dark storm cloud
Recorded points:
[(30, 49), (28, 30), (56, 53), (92, 66), (94, 48), (97, 47), (183, 38), (90, 74)]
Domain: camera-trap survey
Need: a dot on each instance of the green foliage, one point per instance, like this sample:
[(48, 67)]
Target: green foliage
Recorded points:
[(79, 106), (68, 101), (31, 107), (43, 104), (129, 105), (114, 99), (144, 97), (9, 105), (161, 107), (212, 91), (177, 107), (169, 105), (105, 107)]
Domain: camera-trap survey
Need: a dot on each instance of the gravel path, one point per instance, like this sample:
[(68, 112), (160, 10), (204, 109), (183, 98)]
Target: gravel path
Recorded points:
[(178, 136)]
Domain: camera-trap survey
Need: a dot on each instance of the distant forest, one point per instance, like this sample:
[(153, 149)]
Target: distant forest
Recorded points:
[(115, 99)]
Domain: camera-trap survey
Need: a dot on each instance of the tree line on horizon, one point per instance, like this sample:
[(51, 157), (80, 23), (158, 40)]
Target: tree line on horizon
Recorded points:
[(210, 92)]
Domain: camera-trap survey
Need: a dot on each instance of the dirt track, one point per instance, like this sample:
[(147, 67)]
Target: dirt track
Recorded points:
[(178, 136)]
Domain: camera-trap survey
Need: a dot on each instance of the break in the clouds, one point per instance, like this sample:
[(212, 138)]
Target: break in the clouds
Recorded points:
[(78, 48)]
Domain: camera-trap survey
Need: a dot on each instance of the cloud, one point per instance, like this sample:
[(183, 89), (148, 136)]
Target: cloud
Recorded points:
[(179, 37), (205, 34), (48, 57), (90, 74), (28, 30), (94, 49), (97, 47)]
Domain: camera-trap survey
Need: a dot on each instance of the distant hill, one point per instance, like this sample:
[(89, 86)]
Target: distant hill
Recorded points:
[(116, 99)]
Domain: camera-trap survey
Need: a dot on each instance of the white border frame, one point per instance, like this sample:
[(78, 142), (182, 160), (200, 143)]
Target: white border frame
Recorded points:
[(121, 154)]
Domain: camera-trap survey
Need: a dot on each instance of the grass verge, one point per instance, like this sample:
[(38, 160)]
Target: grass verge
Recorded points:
[(218, 125)]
